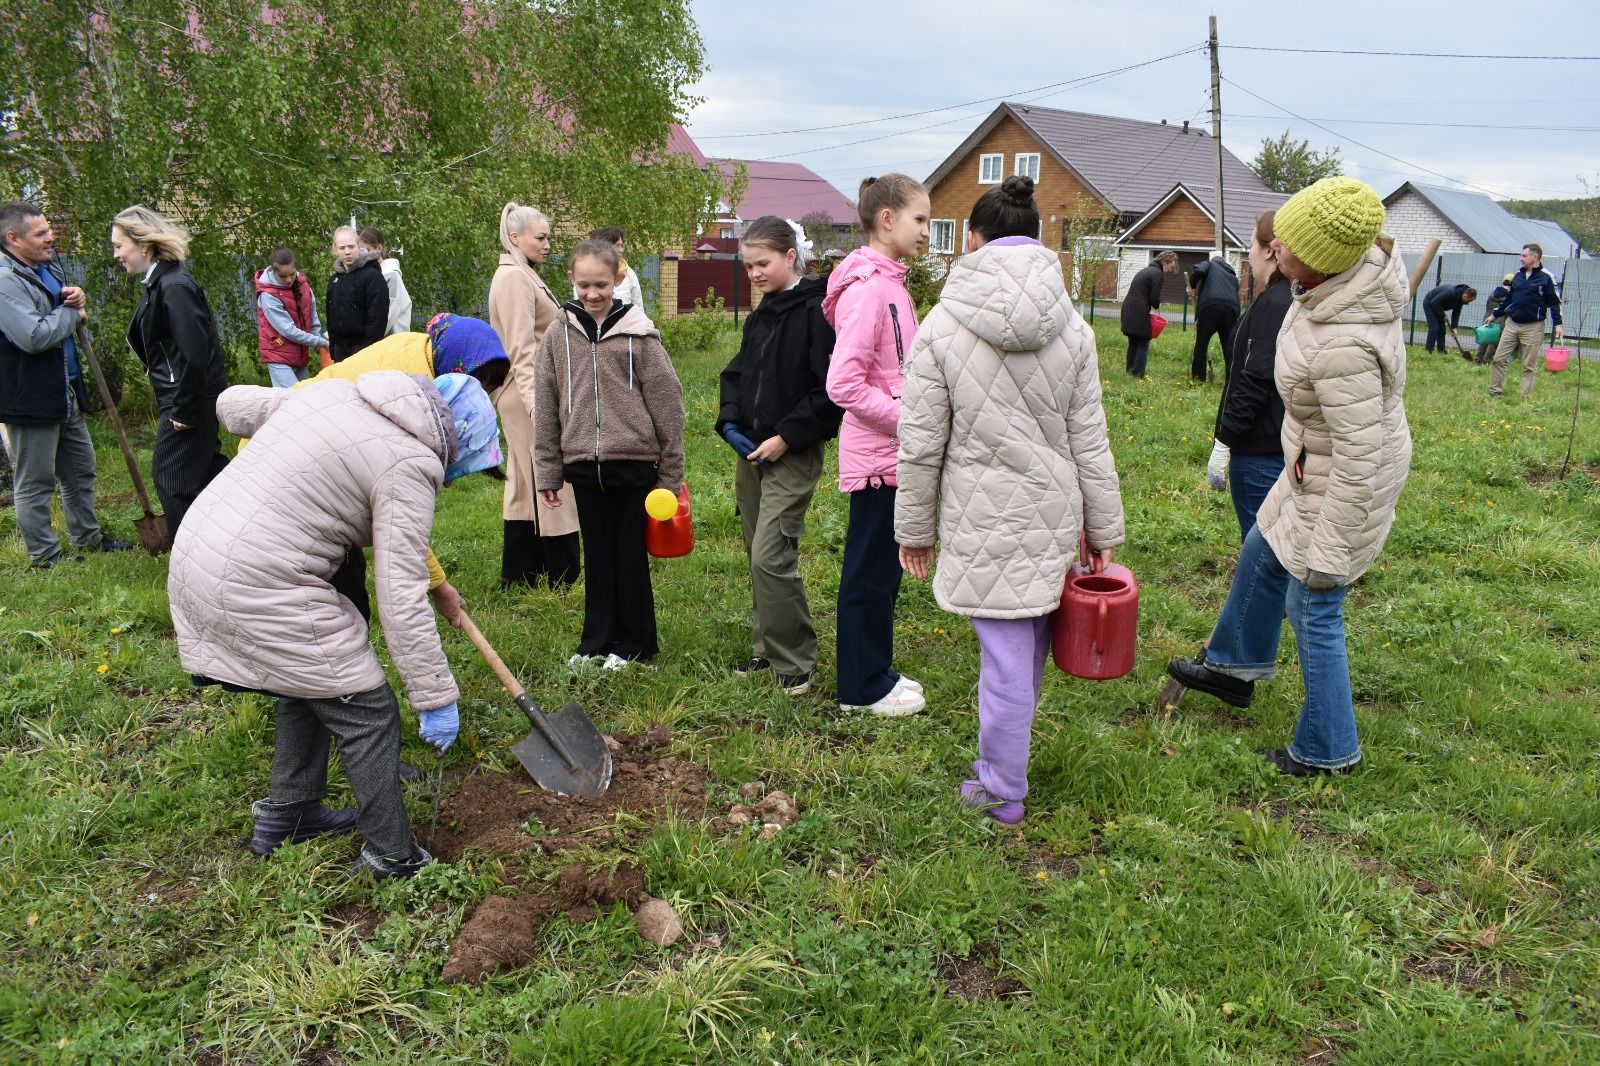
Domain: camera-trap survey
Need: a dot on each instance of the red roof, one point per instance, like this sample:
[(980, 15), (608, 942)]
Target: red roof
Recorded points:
[(680, 143), (788, 190)]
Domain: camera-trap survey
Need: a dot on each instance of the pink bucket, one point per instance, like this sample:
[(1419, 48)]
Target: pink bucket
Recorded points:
[(1555, 359)]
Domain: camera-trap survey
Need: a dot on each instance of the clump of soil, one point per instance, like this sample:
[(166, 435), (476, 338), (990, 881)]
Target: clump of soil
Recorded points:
[(658, 924), (499, 933), (358, 916), (772, 812), (972, 977), (508, 813)]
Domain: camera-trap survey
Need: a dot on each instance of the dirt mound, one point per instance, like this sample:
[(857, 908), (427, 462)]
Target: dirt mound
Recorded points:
[(972, 977), (499, 933), (509, 813)]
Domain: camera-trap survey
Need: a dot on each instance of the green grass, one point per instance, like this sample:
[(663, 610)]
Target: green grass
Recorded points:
[(1168, 899)]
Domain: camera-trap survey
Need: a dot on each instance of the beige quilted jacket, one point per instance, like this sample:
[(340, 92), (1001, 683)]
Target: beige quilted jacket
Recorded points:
[(1341, 370), (336, 464), (1002, 433)]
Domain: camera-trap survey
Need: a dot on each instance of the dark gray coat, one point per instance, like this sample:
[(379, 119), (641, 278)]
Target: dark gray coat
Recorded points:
[(1144, 296)]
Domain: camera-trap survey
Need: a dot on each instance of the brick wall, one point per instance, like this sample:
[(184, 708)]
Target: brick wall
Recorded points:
[(1413, 222)]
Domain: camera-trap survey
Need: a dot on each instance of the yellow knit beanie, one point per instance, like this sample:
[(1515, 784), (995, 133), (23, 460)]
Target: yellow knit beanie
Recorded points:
[(1330, 225)]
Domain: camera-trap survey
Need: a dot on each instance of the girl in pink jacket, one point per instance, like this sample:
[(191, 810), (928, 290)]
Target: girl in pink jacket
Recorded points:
[(875, 320)]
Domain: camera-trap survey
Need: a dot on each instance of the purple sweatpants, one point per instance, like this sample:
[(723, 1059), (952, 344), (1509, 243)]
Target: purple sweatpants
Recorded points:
[(1013, 652)]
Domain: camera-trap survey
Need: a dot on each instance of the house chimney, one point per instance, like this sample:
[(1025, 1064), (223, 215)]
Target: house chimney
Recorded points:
[(1163, 122), (1186, 125)]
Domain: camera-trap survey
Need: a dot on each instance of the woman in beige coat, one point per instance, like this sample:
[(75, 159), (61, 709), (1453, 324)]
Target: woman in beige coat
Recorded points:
[(1003, 435), (1341, 371), (539, 543)]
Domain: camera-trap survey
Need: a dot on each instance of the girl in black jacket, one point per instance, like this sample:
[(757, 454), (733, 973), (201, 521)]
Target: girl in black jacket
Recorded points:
[(1248, 454), (777, 416), (175, 337)]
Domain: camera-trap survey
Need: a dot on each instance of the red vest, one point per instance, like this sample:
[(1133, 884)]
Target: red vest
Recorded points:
[(296, 300)]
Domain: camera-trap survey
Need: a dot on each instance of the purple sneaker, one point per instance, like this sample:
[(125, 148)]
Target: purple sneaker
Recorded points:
[(1006, 812)]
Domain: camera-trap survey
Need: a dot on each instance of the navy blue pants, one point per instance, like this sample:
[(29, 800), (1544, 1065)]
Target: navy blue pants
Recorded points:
[(869, 582), (1436, 329)]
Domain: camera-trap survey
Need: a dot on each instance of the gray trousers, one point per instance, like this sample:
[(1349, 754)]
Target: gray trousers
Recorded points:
[(43, 456), (772, 505), (366, 727), (1529, 337)]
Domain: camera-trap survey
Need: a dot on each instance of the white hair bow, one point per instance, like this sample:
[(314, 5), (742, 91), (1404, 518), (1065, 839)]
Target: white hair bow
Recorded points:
[(801, 242)]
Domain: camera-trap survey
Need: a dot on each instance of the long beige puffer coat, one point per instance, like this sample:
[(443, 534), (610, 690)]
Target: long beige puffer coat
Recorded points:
[(1341, 370), (335, 465), (1001, 426)]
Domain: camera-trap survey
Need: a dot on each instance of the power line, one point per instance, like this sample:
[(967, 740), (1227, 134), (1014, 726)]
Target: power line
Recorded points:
[(1438, 125), (1408, 55), (1059, 85)]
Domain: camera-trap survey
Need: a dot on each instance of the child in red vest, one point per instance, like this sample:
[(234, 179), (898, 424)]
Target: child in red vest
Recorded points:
[(287, 328)]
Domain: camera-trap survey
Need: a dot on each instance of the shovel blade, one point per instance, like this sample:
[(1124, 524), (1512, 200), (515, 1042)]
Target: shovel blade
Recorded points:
[(153, 535), (591, 775)]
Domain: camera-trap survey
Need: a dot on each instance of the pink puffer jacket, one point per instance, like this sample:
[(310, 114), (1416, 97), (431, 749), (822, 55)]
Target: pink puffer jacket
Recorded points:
[(866, 301)]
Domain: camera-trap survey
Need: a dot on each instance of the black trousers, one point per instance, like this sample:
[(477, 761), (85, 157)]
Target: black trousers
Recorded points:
[(1138, 355), (619, 607), (528, 558), (869, 582), (1212, 322), (182, 464)]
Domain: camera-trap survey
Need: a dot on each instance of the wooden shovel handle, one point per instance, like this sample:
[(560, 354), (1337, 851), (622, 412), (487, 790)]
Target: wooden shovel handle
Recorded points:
[(116, 418), (512, 685)]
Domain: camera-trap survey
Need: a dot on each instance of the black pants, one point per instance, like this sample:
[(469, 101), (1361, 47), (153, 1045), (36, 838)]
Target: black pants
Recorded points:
[(1435, 338), (182, 464), (1138, 355), (528, 558), (365, 726), (1212, 322), (869, 582), (619, 607)]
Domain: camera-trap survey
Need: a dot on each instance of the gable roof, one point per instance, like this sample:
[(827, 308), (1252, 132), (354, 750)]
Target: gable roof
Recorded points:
[(1239, 210), (788, 190), (1128, 163), (1488, 225), (680, 143)]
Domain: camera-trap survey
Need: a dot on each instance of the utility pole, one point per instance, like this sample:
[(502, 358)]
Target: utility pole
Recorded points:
[(1216, 127)]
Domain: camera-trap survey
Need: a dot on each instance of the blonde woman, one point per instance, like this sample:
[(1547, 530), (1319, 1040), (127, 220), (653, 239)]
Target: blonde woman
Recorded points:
[(175, 336), (539, 543)]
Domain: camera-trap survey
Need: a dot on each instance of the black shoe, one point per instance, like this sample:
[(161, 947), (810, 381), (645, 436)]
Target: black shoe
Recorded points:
[(275, 826), (1289, 766), (108, 545), (750, 666), (1202, 678), (51, 564), (409, 772), (796, 685), (382, 869)]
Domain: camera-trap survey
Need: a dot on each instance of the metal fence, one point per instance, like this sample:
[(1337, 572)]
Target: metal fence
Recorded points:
[(1578, 279)]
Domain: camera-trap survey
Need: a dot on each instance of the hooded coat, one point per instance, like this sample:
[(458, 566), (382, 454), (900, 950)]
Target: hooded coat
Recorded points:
[(778, 381), (357, 306), (875, 322), (612, 394), (1144, 297), (339, 466), (1003, 435), (1341, 372)]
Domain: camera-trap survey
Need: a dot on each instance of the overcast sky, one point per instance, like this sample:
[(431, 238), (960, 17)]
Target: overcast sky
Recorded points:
[(783, 67)]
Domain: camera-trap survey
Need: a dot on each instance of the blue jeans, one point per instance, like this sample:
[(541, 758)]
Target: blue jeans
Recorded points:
[(1250, 478), (1245, 645), (285, 377)]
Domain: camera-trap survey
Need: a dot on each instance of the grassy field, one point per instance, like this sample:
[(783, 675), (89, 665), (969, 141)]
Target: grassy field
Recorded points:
[(1167, 900)]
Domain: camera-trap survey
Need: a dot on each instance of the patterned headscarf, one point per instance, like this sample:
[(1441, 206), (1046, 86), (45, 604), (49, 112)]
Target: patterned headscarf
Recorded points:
[(461, 345), (477, 428)]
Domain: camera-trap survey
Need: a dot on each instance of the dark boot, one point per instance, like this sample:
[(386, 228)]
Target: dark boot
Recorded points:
[(1289, 766), (290, 823), (382, 868), (1202, 678)]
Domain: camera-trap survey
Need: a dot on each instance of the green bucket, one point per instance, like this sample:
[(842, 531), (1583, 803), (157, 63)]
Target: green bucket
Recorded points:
[(1489, 334)]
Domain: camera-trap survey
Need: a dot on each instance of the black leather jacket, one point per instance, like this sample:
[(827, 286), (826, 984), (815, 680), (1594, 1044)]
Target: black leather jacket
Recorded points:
[(175, 336)]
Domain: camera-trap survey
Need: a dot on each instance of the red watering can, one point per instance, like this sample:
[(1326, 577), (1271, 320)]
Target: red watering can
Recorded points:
[(675, 536), (1092, 633)]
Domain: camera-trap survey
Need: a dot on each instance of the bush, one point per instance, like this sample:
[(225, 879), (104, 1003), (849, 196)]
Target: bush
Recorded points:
[(697, 332)]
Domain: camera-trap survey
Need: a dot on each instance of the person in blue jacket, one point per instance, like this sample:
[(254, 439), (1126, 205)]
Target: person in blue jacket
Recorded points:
[(1533, 292)]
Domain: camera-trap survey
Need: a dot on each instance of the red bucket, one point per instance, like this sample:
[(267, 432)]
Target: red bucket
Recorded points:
[(1157, 324), (1555, 359), (1093, 632)]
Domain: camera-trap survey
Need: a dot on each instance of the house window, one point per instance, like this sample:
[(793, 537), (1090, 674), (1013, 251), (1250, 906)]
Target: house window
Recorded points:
[(1028, 165), (942, 236), (991, 168)]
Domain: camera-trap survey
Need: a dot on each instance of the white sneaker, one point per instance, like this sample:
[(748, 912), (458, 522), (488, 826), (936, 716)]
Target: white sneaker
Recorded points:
[(581, 662), (914, 686), (616, 662), (900, 702)]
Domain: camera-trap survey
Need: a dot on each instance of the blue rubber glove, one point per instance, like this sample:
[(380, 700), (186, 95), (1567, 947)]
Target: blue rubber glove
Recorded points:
[(736, 439), (440, 726)]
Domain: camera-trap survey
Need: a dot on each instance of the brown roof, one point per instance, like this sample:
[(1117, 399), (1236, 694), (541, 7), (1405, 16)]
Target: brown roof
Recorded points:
[(1130, 164), (1239, 209)]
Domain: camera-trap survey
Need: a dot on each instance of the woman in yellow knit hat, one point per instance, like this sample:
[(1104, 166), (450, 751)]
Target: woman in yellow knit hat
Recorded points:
[(1341, 371)]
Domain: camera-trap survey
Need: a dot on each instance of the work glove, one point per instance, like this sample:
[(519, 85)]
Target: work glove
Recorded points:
[(736, 439), (1217, 468), (1317, 581), (440, 726)]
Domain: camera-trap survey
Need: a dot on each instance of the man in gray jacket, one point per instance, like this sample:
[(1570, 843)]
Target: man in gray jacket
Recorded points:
[(42, 394)]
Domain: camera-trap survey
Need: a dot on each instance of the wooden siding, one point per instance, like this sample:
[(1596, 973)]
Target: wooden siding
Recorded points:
[(1056, 192), (1181, 223)]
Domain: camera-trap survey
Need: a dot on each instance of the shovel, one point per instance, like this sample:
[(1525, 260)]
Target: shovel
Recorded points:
[(564, 753), (152, 528)]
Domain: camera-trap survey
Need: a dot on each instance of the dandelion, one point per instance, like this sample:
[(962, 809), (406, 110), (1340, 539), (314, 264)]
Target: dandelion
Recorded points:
[(1041, 876), (1102, 871), (116, 630), (102, 668)]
